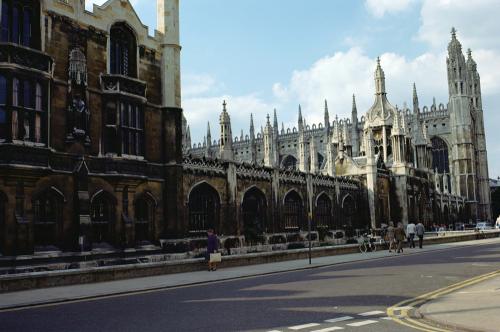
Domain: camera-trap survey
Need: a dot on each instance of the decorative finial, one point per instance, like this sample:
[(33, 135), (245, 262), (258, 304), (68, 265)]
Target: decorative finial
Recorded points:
[(469, 53), (453, 33), (224, 104), (378, 61)]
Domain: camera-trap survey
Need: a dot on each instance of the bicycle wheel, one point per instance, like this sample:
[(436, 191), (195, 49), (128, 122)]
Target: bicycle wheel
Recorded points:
[(373, 247), (363, 248)]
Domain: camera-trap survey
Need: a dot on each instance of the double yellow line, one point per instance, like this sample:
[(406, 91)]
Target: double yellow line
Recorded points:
[(400, 311)]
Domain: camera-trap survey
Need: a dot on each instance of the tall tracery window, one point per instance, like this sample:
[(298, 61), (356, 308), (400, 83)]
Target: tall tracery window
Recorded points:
[(292, 211), (324, 216), (23, 116), (20, 23), (132, 129), (204, 206), (144, 217), (78, 67), (123, 51), (440, 159), (290, 163)]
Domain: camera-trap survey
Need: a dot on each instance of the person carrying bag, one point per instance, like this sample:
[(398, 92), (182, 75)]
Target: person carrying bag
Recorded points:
[(213, 256)]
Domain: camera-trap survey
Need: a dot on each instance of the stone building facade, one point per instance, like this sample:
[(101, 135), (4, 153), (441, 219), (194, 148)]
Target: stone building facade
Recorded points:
[(418, 163), (95, 153), (90, 125)]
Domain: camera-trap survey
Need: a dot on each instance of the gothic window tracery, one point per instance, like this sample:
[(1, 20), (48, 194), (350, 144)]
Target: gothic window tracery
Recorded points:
[(78, 67), (47, 209), (123, 49), (144, 216), (204, 208), (292, 211), (102, 212), (324, 216)]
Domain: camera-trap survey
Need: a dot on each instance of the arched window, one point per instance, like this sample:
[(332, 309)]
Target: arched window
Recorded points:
[(440, 159), (102, 214), (123, 49), (78, 67), (203, 205), (293, 211), (324, 216), (348, 210), (320, 159), (290, 163), (253, 209), (47, 210), (144, 219)]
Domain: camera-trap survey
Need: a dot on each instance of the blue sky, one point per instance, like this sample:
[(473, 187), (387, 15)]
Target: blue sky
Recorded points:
[(265, 54)]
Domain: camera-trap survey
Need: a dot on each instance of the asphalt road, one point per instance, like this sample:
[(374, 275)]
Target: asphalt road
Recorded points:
[(293, 301)]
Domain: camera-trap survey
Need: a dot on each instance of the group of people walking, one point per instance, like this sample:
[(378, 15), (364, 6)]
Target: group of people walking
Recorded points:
[(395, 236)]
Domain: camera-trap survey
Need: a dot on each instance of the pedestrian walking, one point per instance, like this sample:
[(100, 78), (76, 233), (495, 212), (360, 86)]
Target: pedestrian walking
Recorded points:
[(410, 232), (390, 235), (212, 246), (399, 235), (420, 231)]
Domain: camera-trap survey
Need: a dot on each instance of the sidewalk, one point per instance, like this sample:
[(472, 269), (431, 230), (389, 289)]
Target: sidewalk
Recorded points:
[(475, 308), (89, 291)]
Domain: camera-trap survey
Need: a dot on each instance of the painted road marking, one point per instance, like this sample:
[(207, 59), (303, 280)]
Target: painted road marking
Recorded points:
[(303, 326), (362, 323), (328, 329), (372, 313), (403, 308), (274, 331), (404, 318), (339, 319), (387, 318)]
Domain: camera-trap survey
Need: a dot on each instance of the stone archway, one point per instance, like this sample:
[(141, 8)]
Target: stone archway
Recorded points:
[(293, 209), (323, 214), (253, 210), (204, 208)]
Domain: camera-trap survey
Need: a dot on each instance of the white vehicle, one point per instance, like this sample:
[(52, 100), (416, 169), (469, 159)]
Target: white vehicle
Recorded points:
[(482, 226), (497, 224)]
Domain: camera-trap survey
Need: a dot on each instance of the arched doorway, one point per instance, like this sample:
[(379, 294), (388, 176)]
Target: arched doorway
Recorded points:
[(204, 206), (253, 209), (323, 216), (102, 214), (292, 211), (144, 209), (47, 211)]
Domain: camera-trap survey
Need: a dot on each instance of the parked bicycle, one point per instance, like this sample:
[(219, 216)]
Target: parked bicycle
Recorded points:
[(367, 243)]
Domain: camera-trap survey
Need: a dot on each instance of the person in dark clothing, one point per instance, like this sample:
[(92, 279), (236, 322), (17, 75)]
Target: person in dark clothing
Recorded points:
[(400, 235), (420, 231), (212, 246)]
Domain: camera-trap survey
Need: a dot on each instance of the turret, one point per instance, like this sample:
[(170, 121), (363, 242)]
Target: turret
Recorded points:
[(226, 137), (327, 116), (253, 147), (354, 128), (313, 156), (268, 144), (416, 108), (300, 121), (379, 79), (168, 25)]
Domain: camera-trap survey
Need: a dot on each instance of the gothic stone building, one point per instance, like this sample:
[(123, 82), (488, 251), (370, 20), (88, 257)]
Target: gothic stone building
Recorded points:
[(424, 164), (91, 153)]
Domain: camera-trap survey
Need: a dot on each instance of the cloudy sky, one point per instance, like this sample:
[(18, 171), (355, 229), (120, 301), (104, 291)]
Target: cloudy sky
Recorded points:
[(262, 54)]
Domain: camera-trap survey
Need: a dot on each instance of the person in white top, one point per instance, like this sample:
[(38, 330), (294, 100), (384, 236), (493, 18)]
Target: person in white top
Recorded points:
[(410, 232)]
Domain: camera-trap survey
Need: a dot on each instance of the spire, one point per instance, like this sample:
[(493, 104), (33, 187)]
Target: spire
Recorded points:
[(354, 112), (471, 64), (454, 46), (252, 128), (282, 128), (209, 136), (415, 99), (327, 116), (379, 79), (301, 121), (275, 122)]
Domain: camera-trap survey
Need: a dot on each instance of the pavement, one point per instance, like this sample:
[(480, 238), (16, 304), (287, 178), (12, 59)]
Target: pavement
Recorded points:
[(344, 292), (474, 308)]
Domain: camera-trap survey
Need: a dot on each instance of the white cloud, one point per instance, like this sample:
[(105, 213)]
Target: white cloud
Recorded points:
[(337, 77), (379, 8), (200, 110)]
